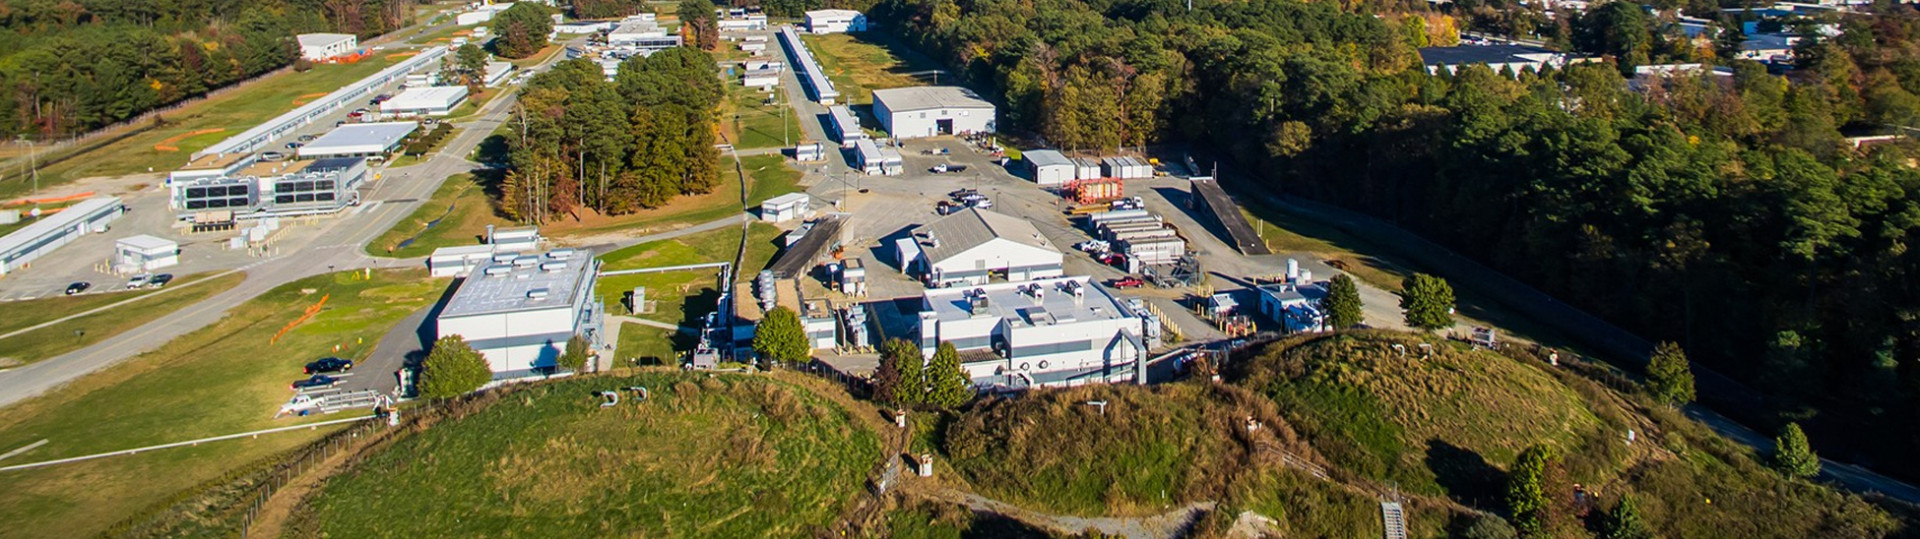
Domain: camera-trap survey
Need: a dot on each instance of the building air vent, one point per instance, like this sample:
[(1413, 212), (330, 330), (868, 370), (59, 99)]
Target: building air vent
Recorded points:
[(537, 293), (499, 270)]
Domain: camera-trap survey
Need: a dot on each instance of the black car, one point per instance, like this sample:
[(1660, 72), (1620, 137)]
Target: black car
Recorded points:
[(160, 280), (78, 287), (328, 364), (318, 381)]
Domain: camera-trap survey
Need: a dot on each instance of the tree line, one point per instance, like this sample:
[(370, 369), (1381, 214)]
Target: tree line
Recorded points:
[(68, 67), (1724, 213), (579, 142)]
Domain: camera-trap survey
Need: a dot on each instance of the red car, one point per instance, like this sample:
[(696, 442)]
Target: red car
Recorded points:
[(1129, 282)]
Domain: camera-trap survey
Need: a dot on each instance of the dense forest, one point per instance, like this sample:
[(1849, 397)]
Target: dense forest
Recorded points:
[(1725, 213), (580, 142), (69, 66)]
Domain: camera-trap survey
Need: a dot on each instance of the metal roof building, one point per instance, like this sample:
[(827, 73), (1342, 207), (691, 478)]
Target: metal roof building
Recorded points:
[(520, 311), (353, 140), (974, 245), (53, 231), (1049, 167), (925, 111), (428, 101), (1495, 57), (1053, 332), (810, 74)]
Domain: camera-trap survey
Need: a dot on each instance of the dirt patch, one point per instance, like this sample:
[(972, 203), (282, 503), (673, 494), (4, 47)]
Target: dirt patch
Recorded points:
[(308, 98), (168, 144)]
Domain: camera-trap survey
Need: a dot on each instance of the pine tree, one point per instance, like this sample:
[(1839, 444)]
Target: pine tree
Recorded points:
[(1623, 521), (1668, 375), (453, 369), (947, 385), (1428, 302), (781, 338), (1342, 305), (901, 378), (1792, 455), (574, 357)]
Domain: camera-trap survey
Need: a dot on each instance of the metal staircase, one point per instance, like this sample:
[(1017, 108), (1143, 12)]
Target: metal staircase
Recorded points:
[(1395, 520)]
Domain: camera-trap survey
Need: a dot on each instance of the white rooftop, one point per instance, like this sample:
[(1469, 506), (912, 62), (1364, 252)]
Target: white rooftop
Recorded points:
[(1044, 158), (831, 13), (930, 97), (425, 98), (359, 138), (53, 224), (321, 40), (787, 199), (529, 283), (1056, 303), (146, 242)]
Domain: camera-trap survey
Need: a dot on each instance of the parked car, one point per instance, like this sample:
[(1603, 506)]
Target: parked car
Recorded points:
[(328, 364), (982, 203), (272, 156), (138, 281), (1128, 282), (938, 169), (295, 145), (307, 138), (160, 280), (318, 381), (962, 193), (78, 287)]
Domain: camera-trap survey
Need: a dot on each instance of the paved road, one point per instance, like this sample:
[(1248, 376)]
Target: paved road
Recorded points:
[(338, 247)]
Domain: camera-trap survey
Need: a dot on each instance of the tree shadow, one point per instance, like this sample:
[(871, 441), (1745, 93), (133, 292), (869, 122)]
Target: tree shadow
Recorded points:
[(492, 151), (1466, 476)]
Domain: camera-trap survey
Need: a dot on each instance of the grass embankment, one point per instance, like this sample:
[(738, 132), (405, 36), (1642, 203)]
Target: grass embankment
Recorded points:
[(767, 176), (84, 331), (860, 63), (466, 223), (749, 121), (235, 111), (681, 297), (727, 456), (1450, 425), (223, 379)]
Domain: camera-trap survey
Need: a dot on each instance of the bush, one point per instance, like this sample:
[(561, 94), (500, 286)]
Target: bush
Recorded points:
[(1669, 377), (453, 369), (781, 338), (1792, 455), (1428, 302)]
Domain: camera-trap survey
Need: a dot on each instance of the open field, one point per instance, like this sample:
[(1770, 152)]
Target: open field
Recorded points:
[(750, 122), (237, 111), (648, 345), (223, 379), (858, 64), (81, 332), (463, 210), (678, 297), (767, 176), (722, 456), (1285, 232), (712, 246), (682, 297)]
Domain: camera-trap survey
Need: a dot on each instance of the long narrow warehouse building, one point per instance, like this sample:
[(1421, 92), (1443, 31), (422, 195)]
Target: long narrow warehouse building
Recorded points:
[(52, 231), (810, 73), (359, 140)]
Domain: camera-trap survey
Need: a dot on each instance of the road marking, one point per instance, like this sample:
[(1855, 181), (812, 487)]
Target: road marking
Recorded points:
[(29, 447)]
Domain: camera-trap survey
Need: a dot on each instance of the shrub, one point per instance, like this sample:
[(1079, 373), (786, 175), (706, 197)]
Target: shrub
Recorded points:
[(1792, 455), (452, 369), (781, 338), (1669, 377), (1428, 302)]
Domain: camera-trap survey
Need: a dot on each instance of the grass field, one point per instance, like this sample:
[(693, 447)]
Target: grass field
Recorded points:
[(1286, 232), (223, 379), (767, 176), (26, 219), (858, 64), (727, 456), (466, 224), (682, 297), (1449, 426), (81, 332), (648, 345), (235, 111), (749, 122)]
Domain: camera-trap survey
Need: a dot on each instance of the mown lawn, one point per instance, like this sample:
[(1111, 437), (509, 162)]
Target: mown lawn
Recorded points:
[(750, 122), (223, 379), (235, 112), (647, 345), (81, 332), (726, 456), (463, 210), (682, 297), (768, 176), (858, 64)]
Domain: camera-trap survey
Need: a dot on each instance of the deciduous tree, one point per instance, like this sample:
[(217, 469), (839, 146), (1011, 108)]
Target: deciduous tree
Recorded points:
[(452, 369), (901, 378), (574, 357), (780, 337), (1342, 305), (1428, 302)]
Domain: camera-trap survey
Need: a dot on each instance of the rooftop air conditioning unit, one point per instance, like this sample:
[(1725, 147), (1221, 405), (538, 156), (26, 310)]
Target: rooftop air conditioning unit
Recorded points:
[(537, 293)]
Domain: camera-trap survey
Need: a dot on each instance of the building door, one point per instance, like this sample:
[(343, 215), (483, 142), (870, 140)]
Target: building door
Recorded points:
[(943, 126)]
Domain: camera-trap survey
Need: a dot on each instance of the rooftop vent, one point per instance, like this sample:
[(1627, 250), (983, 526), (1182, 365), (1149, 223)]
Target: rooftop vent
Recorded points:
[(537, 293), (554, 266), (499, 270), (526, 261), (560, 254)]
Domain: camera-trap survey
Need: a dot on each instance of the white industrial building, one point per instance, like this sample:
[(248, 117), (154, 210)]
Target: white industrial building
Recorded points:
[(765, 79), (925, 111), (835, 21), (974, 246), (786, 207), (875, 160), (503, 245), (359, 140), (846, 126), (1049, 167), (319, 47), (142, 253), (743, 23), (633, 30), (520, 312), (497, 72), (1295, 306), (428, 101), (1515, 58), (1047, 333), (50, 232), (272, 189)]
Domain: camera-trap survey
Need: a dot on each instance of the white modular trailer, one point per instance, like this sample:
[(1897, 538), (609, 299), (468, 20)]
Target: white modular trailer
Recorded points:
[(846, 126), (877, 161), (1050, 333), (926, 111), (50, 232), (135, 254), (458, 260), (786, 207), (742, 24), (760, 78), (1154, 250), (1126, 167), (1086, 169), (497, 72), (835, 21), (1048, 167), (520, 314), (317, 47), (810, 74)]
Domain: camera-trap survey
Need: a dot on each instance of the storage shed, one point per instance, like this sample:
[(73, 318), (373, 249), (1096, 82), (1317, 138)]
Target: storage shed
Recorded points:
[(1049, 168), (1086, 169), (1126, 168), (786, 207), (135, 254)]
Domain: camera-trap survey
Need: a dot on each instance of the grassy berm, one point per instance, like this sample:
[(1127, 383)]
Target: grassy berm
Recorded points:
[(726, 456), (1447, 427)]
